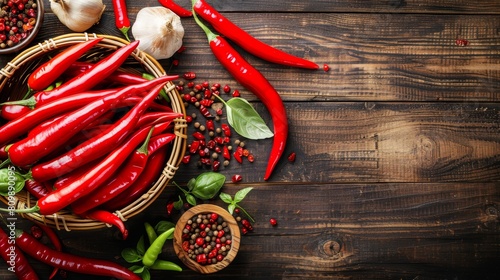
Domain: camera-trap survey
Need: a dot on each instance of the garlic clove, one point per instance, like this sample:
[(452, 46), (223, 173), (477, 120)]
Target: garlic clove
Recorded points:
[(159, 31), (78, 15)]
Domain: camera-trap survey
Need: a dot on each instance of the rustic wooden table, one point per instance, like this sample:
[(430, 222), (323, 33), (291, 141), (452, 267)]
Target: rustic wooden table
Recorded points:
[(398, 146)]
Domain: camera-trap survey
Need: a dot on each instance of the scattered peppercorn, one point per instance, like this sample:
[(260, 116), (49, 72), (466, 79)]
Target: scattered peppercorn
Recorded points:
[(326, 68), (291, 157), (273, 222)]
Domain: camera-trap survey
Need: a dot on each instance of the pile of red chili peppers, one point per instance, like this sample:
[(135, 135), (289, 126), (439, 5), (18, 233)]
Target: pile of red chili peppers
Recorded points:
[(92, 144)]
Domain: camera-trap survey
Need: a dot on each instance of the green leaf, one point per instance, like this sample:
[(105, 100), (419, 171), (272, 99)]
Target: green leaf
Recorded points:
[(163, 226), (208, 184), (145, 275), (137, 269), (226, 197), (191, 184), (240, 195), (191, 199), (11, 181), (141, 247), (230, 208), (130, 255), (245, 120), (179, 203)]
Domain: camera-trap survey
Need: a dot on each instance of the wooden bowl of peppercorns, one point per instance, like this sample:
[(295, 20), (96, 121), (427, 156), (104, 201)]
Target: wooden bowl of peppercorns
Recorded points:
[(20, 21), (206, 238)]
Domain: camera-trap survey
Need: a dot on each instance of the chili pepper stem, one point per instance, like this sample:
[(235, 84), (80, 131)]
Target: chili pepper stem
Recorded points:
[(210, 34), (246, 213), (33, 209), (125, 30), (30, 102)]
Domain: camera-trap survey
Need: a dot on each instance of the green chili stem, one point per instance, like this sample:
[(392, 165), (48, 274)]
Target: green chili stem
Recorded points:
[(210, 35)]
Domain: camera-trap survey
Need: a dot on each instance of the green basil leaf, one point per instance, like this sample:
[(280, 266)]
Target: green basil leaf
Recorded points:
[(240, 195), (145, 275), (245, 120), (226, 198), (208, 184), (137, 269), (163, 226), (11, 181), (191, 184), (179, 203), (191, 199), (141, 247), (230, 208), (130, 255)]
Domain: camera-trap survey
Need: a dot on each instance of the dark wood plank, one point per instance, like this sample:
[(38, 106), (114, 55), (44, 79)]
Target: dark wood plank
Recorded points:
[(380, 142), (393, 57), (337, 231)]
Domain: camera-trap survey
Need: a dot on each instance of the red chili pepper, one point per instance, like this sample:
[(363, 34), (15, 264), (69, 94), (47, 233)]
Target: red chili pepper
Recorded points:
[(12, 112), (49, 232), (35, 188), (254, 81), (178, 10), (22, 125), (225, 153), (122, 21), (246, 41), (94, 147), (154, 167), (86, 80), (205, 112), (128, 174), (31, 149), (108, 218), (15, 258), (226, 130), (69, 262), (47, 73), (119, 76)]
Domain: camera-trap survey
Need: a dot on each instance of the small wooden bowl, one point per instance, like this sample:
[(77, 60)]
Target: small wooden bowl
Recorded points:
[(26, 41), (235, 236)]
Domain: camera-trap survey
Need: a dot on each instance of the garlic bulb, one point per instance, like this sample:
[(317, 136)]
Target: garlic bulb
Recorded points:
[(159, 31), (78, 15)]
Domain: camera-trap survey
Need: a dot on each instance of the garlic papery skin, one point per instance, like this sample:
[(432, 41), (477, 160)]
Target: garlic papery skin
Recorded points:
[(78, 15), (159, 31)]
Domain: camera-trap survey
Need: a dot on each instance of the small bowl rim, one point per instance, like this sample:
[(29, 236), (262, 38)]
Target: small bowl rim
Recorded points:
[(32, 35), (235, 237)]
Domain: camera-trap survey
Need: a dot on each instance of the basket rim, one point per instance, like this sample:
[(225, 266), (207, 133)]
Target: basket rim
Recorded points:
[(65, 219)]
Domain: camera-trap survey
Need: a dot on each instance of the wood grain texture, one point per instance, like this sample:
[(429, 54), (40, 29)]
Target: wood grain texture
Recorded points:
[(397, 173)]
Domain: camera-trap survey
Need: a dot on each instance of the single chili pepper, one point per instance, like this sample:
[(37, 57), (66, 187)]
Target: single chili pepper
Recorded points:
[(31, 149), (178, 10), (119, 76), (150, 232), (12, 112), (155, 106), (70, 262), (35, 188), (94, 147), (15, 258), (86, 80), (122, 21), (154, 167), (90, 180), (165, 265), (126, 176), (22, 125), (108, 218), (47, 73), (254, 46), (254, 81), (54, 239), (151, 254)]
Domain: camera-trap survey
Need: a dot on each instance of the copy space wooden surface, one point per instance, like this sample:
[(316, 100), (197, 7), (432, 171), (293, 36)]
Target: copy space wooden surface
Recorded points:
[(398, 146)]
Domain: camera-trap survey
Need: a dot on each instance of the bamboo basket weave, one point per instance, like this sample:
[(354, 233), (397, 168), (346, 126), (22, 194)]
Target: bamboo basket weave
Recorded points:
[(13, 79)]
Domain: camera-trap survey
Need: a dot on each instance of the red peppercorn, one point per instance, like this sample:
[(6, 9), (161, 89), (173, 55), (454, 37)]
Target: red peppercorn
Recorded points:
[(236, 93), (236, 178), (201, 259), (250, 158), (36, 231), (170, 208), (227, 89), (220, 258), (291, 157), (216, 165), (185, 246), (200, 241), (189, 76), (326, 68), (273, 222)]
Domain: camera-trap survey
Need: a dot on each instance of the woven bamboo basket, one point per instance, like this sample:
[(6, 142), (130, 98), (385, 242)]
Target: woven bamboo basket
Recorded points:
[(13, 85)]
